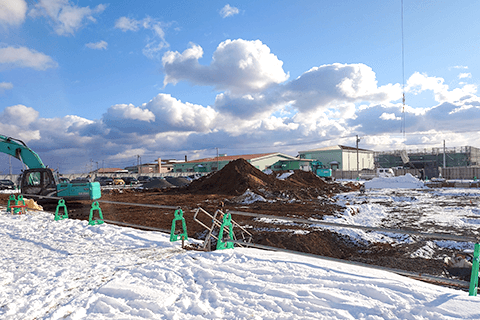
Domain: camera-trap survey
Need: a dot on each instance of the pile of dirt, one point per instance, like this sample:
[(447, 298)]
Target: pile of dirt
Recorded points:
[(234, 179), (239, 176), (177, 181), (157, 184)]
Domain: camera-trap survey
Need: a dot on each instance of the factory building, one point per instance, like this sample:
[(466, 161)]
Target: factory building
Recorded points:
[(341, 157)]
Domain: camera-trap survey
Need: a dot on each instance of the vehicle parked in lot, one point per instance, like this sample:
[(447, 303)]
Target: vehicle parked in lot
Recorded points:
[(118, 181), (80, 180), (144, 179), (6, 184), (104, 181), (130, 180)]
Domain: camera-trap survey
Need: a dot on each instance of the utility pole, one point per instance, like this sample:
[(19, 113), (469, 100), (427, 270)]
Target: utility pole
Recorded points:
[(444, 151), (217, 160), (357, 140)]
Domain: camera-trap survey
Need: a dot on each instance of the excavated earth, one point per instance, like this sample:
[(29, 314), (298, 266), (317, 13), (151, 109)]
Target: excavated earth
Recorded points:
[(301, 195)]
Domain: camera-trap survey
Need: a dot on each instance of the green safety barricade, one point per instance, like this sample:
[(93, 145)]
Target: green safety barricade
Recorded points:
[(474, 277), (226, 223), (61, 204), (11, 199), (183, 235), (96, 207)]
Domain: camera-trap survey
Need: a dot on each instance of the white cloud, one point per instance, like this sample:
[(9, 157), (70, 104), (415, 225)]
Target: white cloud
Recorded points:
[(129, 111), (228, 11), (65, 16), (12, 12), (19, 114), (5, 86), (389, 116), (175, 114), (127, 24), (239, 66), (419, 82), (22, 57), (127, 154), (464, 75), (154, 44), (460, 67), (100, 45)]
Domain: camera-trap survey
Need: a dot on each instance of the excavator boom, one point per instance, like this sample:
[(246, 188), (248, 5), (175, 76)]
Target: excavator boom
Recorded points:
[(18, 149), (39, 180)]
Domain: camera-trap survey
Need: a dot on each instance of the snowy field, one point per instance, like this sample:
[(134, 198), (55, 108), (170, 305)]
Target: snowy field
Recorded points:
[(69, 270)]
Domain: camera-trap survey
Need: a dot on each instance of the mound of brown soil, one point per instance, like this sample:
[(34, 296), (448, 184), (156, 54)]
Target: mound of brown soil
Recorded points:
[(239, 175), (234, 179), (157, 184)]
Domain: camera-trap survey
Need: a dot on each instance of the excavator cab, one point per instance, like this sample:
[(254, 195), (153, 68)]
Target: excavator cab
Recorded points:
[(39, 181)]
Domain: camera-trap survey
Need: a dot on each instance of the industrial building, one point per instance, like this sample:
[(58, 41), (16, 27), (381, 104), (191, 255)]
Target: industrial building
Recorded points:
[(341, 157), (454, 157), (292, 164), (260, 161)]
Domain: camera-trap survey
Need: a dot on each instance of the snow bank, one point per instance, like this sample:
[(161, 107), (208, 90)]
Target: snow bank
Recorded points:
[(249, 197), (285, 175), (401, 182), (69, 270)]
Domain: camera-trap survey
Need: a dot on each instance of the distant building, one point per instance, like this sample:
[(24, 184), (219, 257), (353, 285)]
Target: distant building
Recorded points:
[(260, 161), (341, 157), (292, 164), (454, 157), (159, 166), (109, 171)]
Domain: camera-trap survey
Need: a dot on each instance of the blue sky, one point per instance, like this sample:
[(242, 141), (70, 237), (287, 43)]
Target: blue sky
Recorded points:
[(92, 82)]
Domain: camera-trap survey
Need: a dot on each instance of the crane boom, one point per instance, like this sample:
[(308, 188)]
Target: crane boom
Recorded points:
[(18, 149)]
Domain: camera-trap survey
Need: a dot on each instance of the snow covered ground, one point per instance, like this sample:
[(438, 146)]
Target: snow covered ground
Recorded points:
[(69, 270)]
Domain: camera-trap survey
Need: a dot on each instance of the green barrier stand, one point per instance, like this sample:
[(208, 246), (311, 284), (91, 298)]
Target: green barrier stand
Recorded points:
[(10, 199), (92, 222), (227, 223), (20, 201), (474, 277), (182, 236), (61, 204)]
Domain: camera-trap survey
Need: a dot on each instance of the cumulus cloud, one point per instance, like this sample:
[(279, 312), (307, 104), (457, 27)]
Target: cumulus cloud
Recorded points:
[(5, 86), (124, 111), (9, 122), (229, 11), (156, 43), (100, 45), (127, 24), (336, 83), (239, 66), (162, 113), (14, 113), (22, 57), (420, 82), (12, 12), (464, 75), (65, 16)]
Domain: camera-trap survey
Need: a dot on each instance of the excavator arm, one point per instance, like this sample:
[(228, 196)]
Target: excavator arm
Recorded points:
[(18, 149)]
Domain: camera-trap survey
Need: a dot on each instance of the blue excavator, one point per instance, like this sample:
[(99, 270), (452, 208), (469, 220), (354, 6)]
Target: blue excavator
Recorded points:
[(42, 182)]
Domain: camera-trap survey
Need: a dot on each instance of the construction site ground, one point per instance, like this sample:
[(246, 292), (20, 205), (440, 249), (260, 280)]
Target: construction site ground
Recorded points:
[(301, 195)]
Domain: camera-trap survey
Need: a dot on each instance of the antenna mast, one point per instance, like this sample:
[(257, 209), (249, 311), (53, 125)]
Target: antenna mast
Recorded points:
[(402, 129)]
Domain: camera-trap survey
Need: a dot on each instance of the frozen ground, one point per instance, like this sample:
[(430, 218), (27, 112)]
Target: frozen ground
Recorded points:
[(69, 270)]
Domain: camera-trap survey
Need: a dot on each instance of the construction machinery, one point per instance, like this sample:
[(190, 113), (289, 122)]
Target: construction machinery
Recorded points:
[(321, 170), (43, 182)]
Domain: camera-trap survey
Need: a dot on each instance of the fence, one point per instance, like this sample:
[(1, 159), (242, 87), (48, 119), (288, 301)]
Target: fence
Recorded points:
[(450, 173)]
